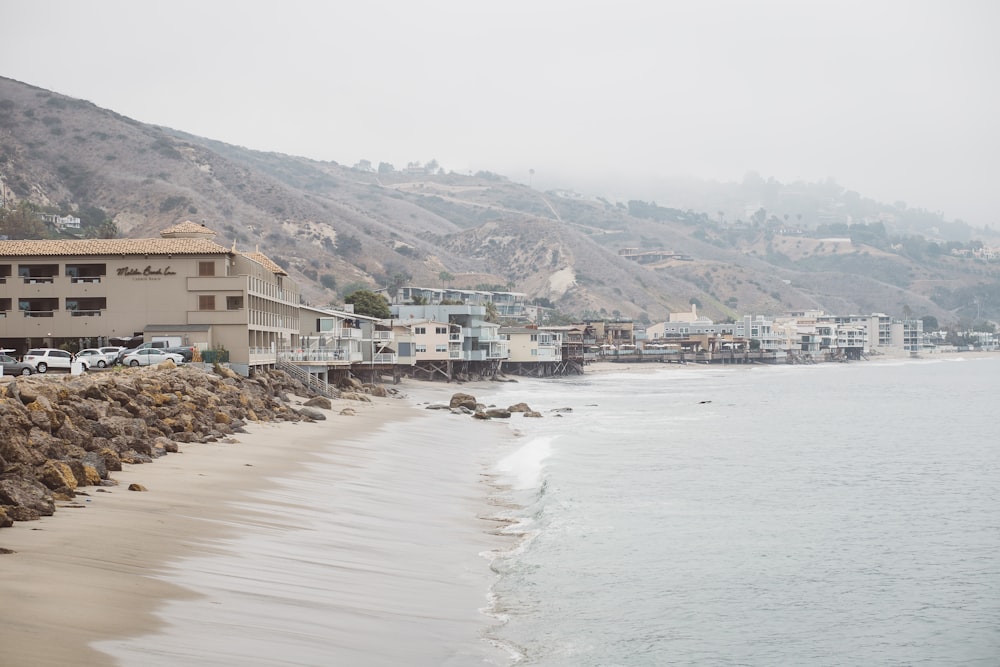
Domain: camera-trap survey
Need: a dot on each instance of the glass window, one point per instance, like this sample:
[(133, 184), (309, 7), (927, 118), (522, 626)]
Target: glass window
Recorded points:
[(206, 268), (206, 302)]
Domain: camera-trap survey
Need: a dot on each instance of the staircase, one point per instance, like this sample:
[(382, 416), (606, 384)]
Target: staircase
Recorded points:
[(314, 383)]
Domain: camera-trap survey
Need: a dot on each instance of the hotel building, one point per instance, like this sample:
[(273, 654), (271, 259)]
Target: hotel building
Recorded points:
[(182, 286)]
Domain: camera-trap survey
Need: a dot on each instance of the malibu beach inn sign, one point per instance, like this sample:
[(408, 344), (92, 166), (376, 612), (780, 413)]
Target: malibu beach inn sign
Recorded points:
[(148, 273)]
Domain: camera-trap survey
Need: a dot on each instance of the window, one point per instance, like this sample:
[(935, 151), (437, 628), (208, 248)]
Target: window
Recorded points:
[(441, 347), (419, 330), (234, 303), (534, 337), (440, 330), (206, 269), (421, 348), (206, 302)]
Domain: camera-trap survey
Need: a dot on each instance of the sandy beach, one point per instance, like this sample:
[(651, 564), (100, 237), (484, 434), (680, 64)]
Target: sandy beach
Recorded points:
[(83, 574)]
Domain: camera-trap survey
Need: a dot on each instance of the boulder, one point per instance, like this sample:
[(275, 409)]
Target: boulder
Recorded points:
[(56, 475), (312, 413), (321, 402), (461, 400), (28, 494), (519, 407), (533, 414), (136, 487), (498, 413)]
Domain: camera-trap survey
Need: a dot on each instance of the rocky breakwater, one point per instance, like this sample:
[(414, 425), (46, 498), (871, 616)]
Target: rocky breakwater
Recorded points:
[(466, 404), (60, 433)]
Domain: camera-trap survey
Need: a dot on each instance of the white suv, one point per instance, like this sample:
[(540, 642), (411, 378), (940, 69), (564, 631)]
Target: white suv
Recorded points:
[(44, 358)]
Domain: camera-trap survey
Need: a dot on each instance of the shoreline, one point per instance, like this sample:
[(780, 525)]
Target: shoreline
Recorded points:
[(88, 573)]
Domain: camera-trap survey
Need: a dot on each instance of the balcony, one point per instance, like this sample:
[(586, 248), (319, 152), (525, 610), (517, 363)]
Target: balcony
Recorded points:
[(38, 313), (85, 313), (382, 335)]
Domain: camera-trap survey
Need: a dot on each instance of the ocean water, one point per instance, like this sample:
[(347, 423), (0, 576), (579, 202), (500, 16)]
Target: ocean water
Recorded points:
[(838, 514)]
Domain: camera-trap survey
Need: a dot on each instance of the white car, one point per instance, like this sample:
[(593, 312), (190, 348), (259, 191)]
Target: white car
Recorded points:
[(150, 356), (44, 358), (93, 357)]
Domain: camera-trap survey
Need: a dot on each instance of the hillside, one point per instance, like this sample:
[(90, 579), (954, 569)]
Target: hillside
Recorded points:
[(336, 228)]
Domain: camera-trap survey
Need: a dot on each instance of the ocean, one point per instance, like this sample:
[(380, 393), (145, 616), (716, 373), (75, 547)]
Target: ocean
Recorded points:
[(835, 514)]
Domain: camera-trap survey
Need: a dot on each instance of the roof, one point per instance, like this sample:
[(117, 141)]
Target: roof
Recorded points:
[(187, 227), (71, 247), (265, 261)]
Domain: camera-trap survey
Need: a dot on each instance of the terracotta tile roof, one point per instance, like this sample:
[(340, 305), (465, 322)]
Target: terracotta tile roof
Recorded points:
[(187, 227), (65, 247), (266, 262)]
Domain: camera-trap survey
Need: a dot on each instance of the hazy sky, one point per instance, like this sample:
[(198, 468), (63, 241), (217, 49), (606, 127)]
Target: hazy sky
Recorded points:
[(899, 100)]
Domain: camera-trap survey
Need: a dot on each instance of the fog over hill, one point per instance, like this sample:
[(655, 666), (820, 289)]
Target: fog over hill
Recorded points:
[(755, 247)]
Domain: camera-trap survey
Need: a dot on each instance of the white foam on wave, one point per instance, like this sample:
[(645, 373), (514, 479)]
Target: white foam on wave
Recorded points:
[(525, 467)]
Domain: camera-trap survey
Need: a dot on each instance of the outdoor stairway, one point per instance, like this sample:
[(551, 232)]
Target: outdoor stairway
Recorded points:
[(318, 385)]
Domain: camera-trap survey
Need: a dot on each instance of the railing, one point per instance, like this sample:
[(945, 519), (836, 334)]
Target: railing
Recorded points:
[(34, 280), (85, 279), (323, 354), (382, 335), (85, 313), (455, 338), (385, 358), (317, 384), (38, 313)]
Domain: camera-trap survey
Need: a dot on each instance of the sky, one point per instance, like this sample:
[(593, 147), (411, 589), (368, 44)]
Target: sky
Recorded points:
[(898, 100)]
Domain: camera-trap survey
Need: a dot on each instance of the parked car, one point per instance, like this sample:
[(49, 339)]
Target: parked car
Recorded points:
[(44, 358), (150, 356), (12, 366), (111, 353), (186, 351), (94, 357)]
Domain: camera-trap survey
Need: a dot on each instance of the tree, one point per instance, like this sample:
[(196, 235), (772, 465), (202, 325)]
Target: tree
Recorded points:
[(367, 302), (446, 277), (385, 168), (930, 323), (492, 314), (22, 222)]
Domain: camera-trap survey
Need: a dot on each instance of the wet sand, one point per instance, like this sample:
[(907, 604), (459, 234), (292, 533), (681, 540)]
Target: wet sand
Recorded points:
[(87, 573)]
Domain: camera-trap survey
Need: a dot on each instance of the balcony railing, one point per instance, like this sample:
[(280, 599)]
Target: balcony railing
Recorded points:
[(85, 279), (85, 313), (382, 335), (38, 313), (36, 280)]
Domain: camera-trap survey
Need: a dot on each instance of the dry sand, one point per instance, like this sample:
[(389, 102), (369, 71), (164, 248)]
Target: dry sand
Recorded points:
[(84, 574)]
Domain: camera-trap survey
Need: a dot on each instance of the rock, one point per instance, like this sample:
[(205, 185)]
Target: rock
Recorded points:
[(28, 494), (355, 396), (56, 474), (376, 390), (321, 402), (461, 400), (519, 407), (351, 384), (479, 414), (312, 413), (532, 413), (561, 410), (498, 413), (438, 406), (136, 487), (348, 412), (5, 521)]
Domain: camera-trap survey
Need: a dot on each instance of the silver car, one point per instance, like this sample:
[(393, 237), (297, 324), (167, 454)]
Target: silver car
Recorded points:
[(150, 356)]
